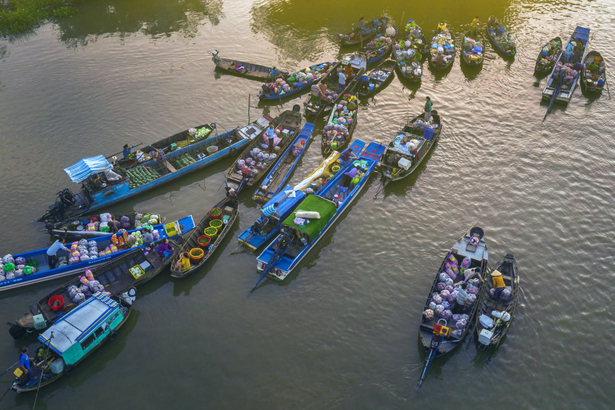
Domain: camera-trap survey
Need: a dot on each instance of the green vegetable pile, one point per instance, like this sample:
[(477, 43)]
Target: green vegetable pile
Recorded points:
[(183, 161), (141, 176), (202, 132)]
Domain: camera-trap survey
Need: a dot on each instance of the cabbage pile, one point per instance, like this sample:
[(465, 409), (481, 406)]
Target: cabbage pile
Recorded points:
[(11, 268), (336, 133), (257, 160), (297, 81)]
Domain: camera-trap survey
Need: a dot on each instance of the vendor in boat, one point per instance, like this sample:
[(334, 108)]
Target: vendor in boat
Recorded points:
[(114, 225), (126, 151), (157, 155), (348, 71), (364, 81), (439, 59), (498, 283), (274, 73), (349, 176), (270, 133), (26, 364), (52, 252), (428, 106), (341, 81), (183, 263), (442, 27), (270, 210), (165, 249), (461, 301), (147, 236), (347, 155), (492, 22)]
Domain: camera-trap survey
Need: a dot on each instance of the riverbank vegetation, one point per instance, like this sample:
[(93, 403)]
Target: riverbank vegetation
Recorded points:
[(17, 16)]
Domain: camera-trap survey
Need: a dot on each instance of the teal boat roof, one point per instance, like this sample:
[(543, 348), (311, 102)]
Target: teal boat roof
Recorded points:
[(79, 323)]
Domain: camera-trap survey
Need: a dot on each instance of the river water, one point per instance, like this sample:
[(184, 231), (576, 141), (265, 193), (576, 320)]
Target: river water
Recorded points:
[(341, 332)]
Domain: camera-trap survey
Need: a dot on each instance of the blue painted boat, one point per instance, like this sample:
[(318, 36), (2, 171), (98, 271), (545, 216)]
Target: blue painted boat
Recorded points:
[(283, 169), (288, 198), (98, 190), (258, 157), (303, 82), (361, 36), (555, 90), (296, 240), (75, 336), (379, 48), (501, 40), (43, 273)]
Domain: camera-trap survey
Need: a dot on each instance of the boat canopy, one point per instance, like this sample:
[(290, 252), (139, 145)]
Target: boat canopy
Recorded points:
[(86, 167), (79, 323), (323, 206), (286, 198)]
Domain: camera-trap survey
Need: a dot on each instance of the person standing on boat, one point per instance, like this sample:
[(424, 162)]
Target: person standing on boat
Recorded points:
[(462, 296), (274, 73), (52, 252), (428, 105), (341, 82), (492, 22), (270, 210), (270, 133), (24, 363), (474, 26), (498, 283)]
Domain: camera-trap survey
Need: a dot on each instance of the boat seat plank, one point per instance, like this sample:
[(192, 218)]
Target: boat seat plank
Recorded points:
[(170, 167)]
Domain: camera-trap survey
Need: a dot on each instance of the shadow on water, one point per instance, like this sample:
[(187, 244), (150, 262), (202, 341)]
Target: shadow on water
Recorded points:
[(184, 285), (160, 19), (470, 72)]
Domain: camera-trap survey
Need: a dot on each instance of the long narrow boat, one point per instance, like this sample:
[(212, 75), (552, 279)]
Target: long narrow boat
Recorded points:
[(502, 41), (283, 169), (594, 73), (410, 50), (378, 49), (473, 48), (442, 56), (201, 247), (494, 317), (39, 259), (133, 269), (146, 176), (549, 54), (299, 236), (74, 337), (242, 68), (314, 107), (255, 162), (379, 78), (558, 89), (369, 31), (301, 82), (409, 148), (336, 135), (441, 331), (89, 226), (288, 198)]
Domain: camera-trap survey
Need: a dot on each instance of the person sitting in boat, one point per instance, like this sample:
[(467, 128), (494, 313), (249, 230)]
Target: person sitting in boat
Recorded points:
[(114, 225), (348, 71), (364, 81), (147, 236), (126, 151), (165, 249), (94, 182), (183, 263), (439, 59), (492, 22), (304, 238), (498, 283), (270, 210), (274, 73)]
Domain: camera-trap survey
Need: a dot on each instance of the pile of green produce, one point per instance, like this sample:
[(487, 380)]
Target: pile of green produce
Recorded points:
[(183, 161), (202, 132), (141, 176)]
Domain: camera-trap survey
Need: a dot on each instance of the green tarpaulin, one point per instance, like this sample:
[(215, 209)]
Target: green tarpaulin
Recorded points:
[(324, 207)]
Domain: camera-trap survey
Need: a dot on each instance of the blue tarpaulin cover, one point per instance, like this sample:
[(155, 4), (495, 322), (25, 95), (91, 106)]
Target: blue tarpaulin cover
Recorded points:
[(86, 167)]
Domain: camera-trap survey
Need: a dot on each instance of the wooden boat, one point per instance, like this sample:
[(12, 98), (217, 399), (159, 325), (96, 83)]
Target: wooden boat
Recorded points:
[(409, 148), (370, 30), (280, 173), (440, 332), (243, 69), (288, 198), (446, 42), (314, 107), (303, 80), (410, 50), (494, 317), (117, 277), (75, 336), (594, 81), (246, 170), (549, 54), (336, 135), (501, 40), (379, 78), (227, 213), (148, 175), (560, 91), (295, 241), (473, 48), (82, 227), (378, 49), (40, 260)]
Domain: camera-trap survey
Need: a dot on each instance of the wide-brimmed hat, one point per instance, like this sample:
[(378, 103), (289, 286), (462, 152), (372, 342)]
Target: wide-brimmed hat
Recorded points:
[(496, 273)]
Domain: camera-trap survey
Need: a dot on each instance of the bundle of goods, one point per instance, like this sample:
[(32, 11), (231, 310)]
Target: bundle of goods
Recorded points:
[(505, 295), (421, 124), (88, 287), (442, 44), (297, 81), (549, 55), (594, 72), (140, 176), (258, 159), (565, 74), (473, 49), (182, 161), (444, 299), (404, 145), (146, 220), (238, 67), (202, 132), (336, 132), (378, 46), (82, 251), (406, 52)]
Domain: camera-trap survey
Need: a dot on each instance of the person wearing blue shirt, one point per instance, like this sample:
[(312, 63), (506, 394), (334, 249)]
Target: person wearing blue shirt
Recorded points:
[(364, 80), (274, 73), (126, 151), (270, 133), (270, 210), (24, 363), (52, 252)]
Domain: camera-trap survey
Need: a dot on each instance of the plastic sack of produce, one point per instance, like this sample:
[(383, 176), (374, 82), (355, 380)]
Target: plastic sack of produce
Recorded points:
[(471, 299), (474, 282), (10, 275), (73, 260), (432, 305), (440, 286), (28, 270), (9, 267), (445, 294), (450, 288), (124, 219), (436, 298), (79, 297), (20, 260), (8, 259), (439, 310), (82, 242), (460, 324), (471, 289), (2, 277), (506, 294), (428, 313), (446, 304), (451, 274), (448, 281), (105, 217), (457, 333), (453, 297), (446, 314), (18, 273), (442, 277)]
